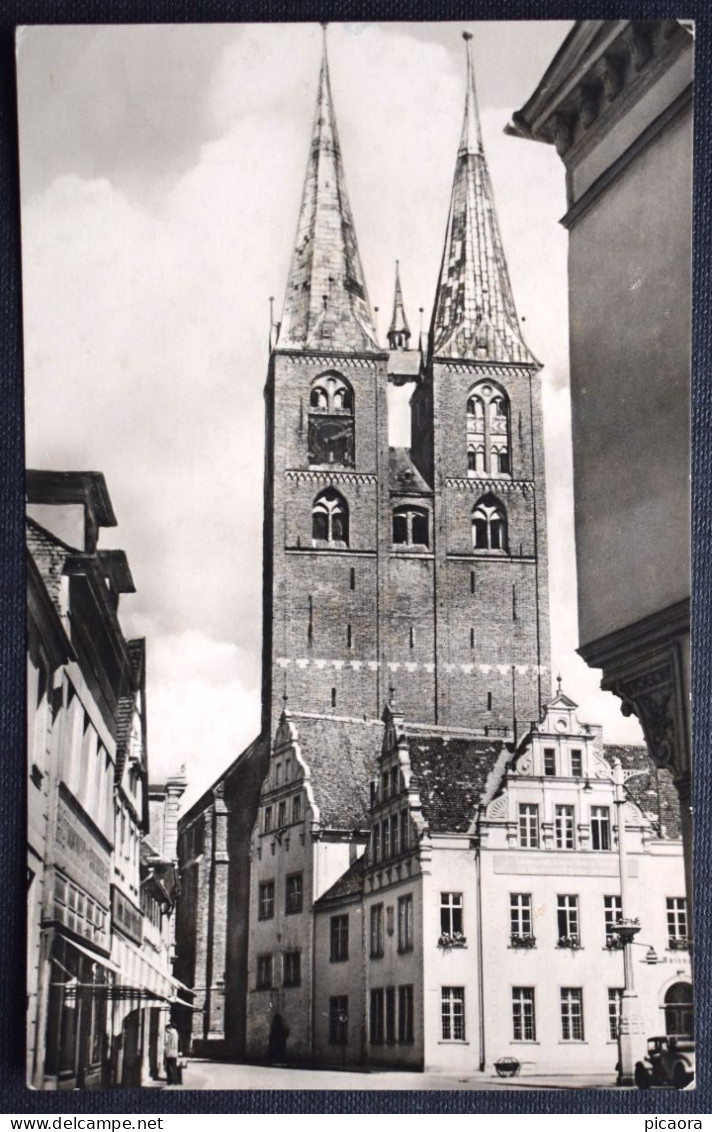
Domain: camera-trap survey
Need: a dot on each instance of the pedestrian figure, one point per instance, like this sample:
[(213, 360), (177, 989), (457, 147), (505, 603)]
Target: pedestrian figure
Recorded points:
[(171, 1051)]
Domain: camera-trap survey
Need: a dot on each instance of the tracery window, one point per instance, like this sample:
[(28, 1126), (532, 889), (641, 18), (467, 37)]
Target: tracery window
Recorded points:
[(330, 520), (489, 524), (488, 431), (411, 526), (331, 421)]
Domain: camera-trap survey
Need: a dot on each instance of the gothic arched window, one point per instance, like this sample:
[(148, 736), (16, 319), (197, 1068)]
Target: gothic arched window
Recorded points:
[(489, 525), (488, 431), (330, 520), (411, 526), (331, 424)]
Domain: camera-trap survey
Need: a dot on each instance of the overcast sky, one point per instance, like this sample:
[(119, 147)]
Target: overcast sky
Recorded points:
[(162, 171)]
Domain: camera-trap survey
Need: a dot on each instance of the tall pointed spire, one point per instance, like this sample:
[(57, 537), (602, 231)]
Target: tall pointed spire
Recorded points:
[(399, 331), (474, 315), (326, 305)]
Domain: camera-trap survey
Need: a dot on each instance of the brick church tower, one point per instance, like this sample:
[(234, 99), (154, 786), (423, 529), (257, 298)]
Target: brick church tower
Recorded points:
[(422, 568)]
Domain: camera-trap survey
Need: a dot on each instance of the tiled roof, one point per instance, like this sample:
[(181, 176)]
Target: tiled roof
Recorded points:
[(474, 316), (403, 476), (341, 755), (326, 305), (349, 884), (653, 791), (452, 774), (50, 555)]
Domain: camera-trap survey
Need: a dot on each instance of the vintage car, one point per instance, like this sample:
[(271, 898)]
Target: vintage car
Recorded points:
[(672, 1062)]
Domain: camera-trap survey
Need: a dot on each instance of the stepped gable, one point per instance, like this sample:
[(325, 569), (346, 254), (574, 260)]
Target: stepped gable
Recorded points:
[(653, 792), (452, 774), (342, 756), (349, 884)]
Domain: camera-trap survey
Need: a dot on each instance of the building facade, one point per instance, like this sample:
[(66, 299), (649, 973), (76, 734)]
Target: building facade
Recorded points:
[(479, 925), (616, 102), (95, 970)]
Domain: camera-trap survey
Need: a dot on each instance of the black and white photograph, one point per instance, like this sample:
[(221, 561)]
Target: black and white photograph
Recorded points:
[(357, 418)]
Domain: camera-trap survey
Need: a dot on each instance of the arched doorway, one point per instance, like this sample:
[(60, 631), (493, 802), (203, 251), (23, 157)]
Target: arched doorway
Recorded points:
[(679, 1011)]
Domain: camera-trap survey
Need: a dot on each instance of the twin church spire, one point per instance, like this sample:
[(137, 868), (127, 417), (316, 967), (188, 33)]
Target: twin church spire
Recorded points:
[(327, 305)]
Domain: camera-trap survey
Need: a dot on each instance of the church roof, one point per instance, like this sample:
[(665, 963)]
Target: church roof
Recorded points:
[(341, 754), (452, 774), (403, 476), (474, 315), (326, 305)]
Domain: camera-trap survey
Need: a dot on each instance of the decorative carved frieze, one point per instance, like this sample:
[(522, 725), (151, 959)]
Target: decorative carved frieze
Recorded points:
[(479, 484), (327, 477), (332, 361), (651, 697)]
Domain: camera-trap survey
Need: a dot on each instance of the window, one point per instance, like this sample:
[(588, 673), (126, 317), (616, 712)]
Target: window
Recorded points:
[(386, 839), (679, 1011), (405, 1015), (489, 525), (564, 827), (264, 972), (294, 894), (520, 916), (292, 968), (405, 923), (376, 931), (390, 1015), (268, 818), (572, 1014), (576, 765), (567, 919), (376, 843), (266, 900), (376, 1017), (404, 831), (600, 827), (330, 520), (331, 425), (338, 1020), (282, 814), (297, 807), (339, 938), (278, 774), (394, 834), (676, 922), (612, 912), (487, 428), (453, 1014), (528, 825), (394, 781), (523, 1015), (411, 526), (549, 762), (451, 914), (615, 995)]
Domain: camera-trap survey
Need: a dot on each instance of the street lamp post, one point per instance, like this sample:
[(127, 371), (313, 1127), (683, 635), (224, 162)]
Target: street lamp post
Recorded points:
[(630, 1029)]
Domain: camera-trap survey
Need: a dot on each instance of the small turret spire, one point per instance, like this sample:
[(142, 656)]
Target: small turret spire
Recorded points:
[(326, 305), (474, 315), (399, 332)]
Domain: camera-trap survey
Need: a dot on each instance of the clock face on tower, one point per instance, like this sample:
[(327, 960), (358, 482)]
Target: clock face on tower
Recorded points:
[(331, 441)]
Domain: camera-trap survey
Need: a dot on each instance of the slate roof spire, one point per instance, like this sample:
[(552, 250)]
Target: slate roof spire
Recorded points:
[(474, 315), (326, 305), (399, 332)]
